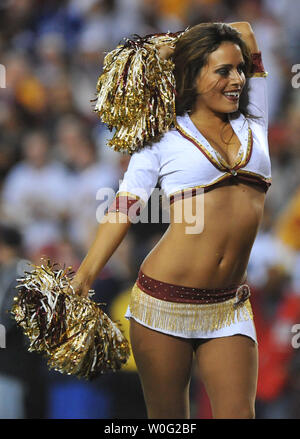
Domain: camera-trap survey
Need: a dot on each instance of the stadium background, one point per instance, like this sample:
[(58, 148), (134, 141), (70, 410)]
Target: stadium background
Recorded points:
[(53, 159)]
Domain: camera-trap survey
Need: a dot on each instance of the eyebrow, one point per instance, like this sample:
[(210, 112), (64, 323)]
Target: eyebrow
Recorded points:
[(229, 65)]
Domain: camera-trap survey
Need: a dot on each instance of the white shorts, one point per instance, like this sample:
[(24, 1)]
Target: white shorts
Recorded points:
[(245, 327)]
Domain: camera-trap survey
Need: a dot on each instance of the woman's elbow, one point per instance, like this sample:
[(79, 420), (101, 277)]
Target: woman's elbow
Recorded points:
[(244, 27)]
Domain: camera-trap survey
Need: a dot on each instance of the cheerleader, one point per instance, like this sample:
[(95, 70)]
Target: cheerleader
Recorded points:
[(207, 150)]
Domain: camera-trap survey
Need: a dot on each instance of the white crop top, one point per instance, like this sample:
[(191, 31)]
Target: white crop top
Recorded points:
[(184, 160)]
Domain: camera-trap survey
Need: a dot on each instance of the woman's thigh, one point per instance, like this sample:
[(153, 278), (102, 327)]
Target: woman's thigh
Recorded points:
[(164, 364), (228, 368)]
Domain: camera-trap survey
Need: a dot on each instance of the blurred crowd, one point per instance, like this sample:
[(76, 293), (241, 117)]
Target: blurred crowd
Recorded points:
[(54, 159)]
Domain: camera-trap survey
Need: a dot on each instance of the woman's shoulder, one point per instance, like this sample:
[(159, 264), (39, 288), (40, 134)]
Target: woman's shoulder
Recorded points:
[(160, 142)]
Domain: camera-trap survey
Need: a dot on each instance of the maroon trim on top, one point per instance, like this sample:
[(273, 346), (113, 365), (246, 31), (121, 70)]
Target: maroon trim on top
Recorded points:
[(192, 192), (243, 164), (187, 193), (216, 165), (255, 179), (123, 204), (177, 293), (257, 64)]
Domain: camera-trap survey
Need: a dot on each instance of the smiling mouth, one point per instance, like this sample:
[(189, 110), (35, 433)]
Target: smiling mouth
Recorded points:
[(232, 96)]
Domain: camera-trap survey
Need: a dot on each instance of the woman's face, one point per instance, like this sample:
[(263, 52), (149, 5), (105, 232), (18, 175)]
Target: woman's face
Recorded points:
[(220, 82)]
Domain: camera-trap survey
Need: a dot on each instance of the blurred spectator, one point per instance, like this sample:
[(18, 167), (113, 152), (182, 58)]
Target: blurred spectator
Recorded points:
[(287, 229), (288, 223), (155, 21), (24, 88), (276, 308), (56, 17), (207, 10), (51, 52), (285, 160), (16, 19), (293, 388), (21, 373), (8, 157), (34, 193), (13, 128), (268, 251), (288, 15), (60, 100), (69, 131), (89, 177)]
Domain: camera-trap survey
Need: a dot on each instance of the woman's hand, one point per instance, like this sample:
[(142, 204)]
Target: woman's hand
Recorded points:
[(165, 52), (80, 288)]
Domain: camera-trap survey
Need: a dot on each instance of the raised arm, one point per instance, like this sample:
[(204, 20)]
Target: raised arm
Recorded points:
[(247, 34), (257, 90)]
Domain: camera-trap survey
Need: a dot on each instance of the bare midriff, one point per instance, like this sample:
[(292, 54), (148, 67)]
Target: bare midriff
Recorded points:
[(214, 250)]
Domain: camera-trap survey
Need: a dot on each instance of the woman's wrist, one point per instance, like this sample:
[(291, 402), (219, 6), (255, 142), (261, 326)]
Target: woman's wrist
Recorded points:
[(80, 285), (82, 279)]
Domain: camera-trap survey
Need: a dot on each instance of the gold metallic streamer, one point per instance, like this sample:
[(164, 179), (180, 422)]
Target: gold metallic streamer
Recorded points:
[(73, 332), (136, 91)]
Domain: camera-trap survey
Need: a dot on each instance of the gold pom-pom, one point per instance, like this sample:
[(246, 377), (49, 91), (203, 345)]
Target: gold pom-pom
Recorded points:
[(73, 332), (136, 91)]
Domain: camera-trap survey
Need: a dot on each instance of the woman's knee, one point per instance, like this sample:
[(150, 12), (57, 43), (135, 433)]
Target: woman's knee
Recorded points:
[(234, 410), (171, 404)]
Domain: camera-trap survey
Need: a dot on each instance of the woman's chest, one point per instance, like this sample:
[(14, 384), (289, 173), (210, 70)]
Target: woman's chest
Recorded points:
[(186, 163), (226, 148)]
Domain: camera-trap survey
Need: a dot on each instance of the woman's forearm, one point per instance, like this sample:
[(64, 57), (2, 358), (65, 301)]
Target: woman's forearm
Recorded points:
[(108, 237), (247, 34)]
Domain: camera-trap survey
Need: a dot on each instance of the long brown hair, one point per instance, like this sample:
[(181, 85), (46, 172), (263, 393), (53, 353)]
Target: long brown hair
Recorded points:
[(191, 54)]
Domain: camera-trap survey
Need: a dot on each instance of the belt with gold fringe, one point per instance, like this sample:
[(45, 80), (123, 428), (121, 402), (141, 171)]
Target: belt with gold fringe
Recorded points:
[(176, 308)]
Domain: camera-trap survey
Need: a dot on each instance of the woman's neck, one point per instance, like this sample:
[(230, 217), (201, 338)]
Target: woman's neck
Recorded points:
[(209, 119)]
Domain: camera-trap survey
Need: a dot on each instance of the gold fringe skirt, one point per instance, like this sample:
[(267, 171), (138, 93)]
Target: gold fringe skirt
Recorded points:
[(185, 318)]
